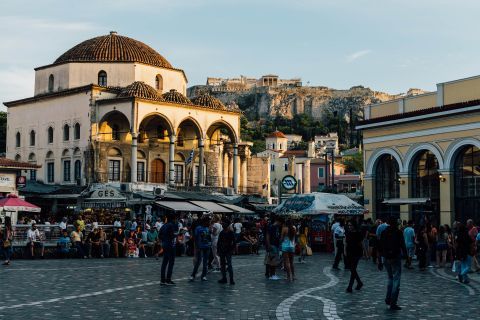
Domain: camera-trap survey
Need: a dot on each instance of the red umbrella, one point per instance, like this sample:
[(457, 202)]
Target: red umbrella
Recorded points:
[(14, 203)]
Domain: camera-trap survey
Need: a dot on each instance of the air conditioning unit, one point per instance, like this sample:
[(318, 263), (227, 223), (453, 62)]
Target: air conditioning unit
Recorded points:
[(158, 191), (126, 187), (229, 191)]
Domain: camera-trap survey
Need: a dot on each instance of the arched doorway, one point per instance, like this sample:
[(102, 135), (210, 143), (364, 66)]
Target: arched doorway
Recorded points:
[(425, 183), (387, 186), (157, 172), (467, 184)]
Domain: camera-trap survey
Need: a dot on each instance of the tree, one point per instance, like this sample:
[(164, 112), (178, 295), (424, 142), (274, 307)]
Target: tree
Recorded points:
[(354, 162)]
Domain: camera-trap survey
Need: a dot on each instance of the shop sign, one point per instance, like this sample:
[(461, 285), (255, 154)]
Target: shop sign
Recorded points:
[(289, 182), (107, 193), (21, 181), (7, 182)]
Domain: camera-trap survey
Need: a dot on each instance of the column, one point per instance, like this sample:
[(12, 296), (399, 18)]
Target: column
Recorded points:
[(225, 169), (133, 161), (171, 162), (447, 214), (243, 175), (306, 177), (201, 156), (404, 194), (235, 167), (369, 196)]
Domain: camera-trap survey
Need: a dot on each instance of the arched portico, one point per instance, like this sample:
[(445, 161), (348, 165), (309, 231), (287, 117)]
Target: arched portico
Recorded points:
[(377, 155), (190, 137)]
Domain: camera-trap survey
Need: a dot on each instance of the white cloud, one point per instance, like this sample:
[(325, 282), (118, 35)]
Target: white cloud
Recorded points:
[(16, 83), (357, 55)]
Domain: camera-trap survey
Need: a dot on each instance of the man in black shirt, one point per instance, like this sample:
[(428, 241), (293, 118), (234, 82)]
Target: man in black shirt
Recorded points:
[(118, 241), (226, 247), (93, 242), (168, 235), (391, 246)]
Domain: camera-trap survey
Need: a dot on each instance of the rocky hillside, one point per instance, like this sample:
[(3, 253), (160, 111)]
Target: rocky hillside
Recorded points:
[(269, 102)]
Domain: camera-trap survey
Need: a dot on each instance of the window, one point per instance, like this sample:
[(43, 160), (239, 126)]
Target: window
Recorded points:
[(272, 167), (18, 158), (320, 172), (285, 166), (114, 170), (66, 170), (50, 135), (17, 140), (102, 78), (140, 171), (66, 132), (50, 83), (50, 172), (33, 175), (115, 132), (178, 173), (159, 82), (78, 170), (76, 131), (160, 133), (32, 138), (273, 146), (180, 140), (280, 146)]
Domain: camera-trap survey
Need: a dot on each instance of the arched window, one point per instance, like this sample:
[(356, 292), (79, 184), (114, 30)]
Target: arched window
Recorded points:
[(76, 131), (387, 186), (102, 78), (50, 135), (18, 158), (17, 140), (32, 138), (50, 83), (466, 186), (66, 132), (115, 132), (159, 83)]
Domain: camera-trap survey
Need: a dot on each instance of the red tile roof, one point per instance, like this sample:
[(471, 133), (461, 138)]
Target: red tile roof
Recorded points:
[(276, 134), (9, 163)]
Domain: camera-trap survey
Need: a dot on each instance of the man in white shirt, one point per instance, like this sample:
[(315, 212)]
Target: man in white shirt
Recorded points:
[(332, 229), (34, 240), (63, 224), (158, 225), (339, 237), (216, 229)]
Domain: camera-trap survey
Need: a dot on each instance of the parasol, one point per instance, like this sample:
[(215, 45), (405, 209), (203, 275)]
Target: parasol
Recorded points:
[(14, 203)]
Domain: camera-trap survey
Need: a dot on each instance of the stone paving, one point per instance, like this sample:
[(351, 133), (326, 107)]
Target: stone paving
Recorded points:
[(129, 289)]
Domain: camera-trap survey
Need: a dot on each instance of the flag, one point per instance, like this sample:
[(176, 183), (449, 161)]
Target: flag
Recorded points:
[(190, 158)]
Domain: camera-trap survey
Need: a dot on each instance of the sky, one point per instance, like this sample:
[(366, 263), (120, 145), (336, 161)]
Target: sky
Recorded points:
[(387, 45)]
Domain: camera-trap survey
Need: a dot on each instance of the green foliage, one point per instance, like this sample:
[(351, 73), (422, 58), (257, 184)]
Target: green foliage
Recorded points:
[(354, 163)]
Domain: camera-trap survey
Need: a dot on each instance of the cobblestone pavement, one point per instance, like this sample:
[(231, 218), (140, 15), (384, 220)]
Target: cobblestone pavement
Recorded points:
[(129, 289)]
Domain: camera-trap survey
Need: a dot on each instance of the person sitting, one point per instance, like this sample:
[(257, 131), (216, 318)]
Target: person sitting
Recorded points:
[(93, 243), (34, 240), (152, 242), (141, 241), (104, 243), (77, 239), (118, 241), (64, 244), (243, 242), (132, 247), (252, 237)]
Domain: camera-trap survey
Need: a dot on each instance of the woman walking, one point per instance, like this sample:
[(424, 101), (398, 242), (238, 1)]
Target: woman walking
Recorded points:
[(421, 243), (354, 251), (288, 248), (303, 242), (442, 247), (6, 238), (463, 248)]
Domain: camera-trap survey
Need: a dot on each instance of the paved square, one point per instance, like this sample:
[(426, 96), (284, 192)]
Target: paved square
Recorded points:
[(129, 289)]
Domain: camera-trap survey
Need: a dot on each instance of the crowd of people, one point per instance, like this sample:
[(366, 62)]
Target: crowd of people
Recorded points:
[(385, 243)]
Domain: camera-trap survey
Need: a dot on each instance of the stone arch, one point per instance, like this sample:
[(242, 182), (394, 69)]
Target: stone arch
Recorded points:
[(187, 131), (66, 153), (214, 127), (49, 155), (415, 149), (455, 147), (114, 126), (114, 152), (32, 157), (372, 161), (148, 127)]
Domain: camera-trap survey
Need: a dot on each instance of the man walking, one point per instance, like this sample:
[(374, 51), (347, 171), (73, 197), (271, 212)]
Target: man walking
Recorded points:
[(339, 236), (203, 243), (391, 246), (168, 233), (409, 237)]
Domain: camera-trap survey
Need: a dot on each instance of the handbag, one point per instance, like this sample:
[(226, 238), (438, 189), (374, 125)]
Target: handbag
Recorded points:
[(7, 243), (309, 251)]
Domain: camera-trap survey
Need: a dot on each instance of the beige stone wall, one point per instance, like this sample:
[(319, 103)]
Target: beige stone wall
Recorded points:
[(462, 90), (258, 169), (384, 109), (421, 101)]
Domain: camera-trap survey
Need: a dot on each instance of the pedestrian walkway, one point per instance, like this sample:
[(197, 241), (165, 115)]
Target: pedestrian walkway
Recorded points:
[(129, 289)]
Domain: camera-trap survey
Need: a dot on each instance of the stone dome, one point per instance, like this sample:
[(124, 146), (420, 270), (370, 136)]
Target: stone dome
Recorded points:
[(175, 97), (113, 48), (140, 89), (208, 101)]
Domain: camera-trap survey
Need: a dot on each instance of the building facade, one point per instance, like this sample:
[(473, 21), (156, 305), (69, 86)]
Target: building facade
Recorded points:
[(425, 150), (112, 110)]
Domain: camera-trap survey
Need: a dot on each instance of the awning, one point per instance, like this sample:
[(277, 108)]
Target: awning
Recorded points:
[(236, 209), (212, 206), (400, 201), (178, 206)]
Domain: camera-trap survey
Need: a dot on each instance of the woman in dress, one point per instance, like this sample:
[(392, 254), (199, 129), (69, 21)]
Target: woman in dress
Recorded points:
[(287, 241)]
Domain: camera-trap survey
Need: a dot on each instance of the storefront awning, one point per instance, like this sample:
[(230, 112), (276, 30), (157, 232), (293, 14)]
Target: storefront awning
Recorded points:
[(179, 206), (236, 209), (400, 201), (212, 206)]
